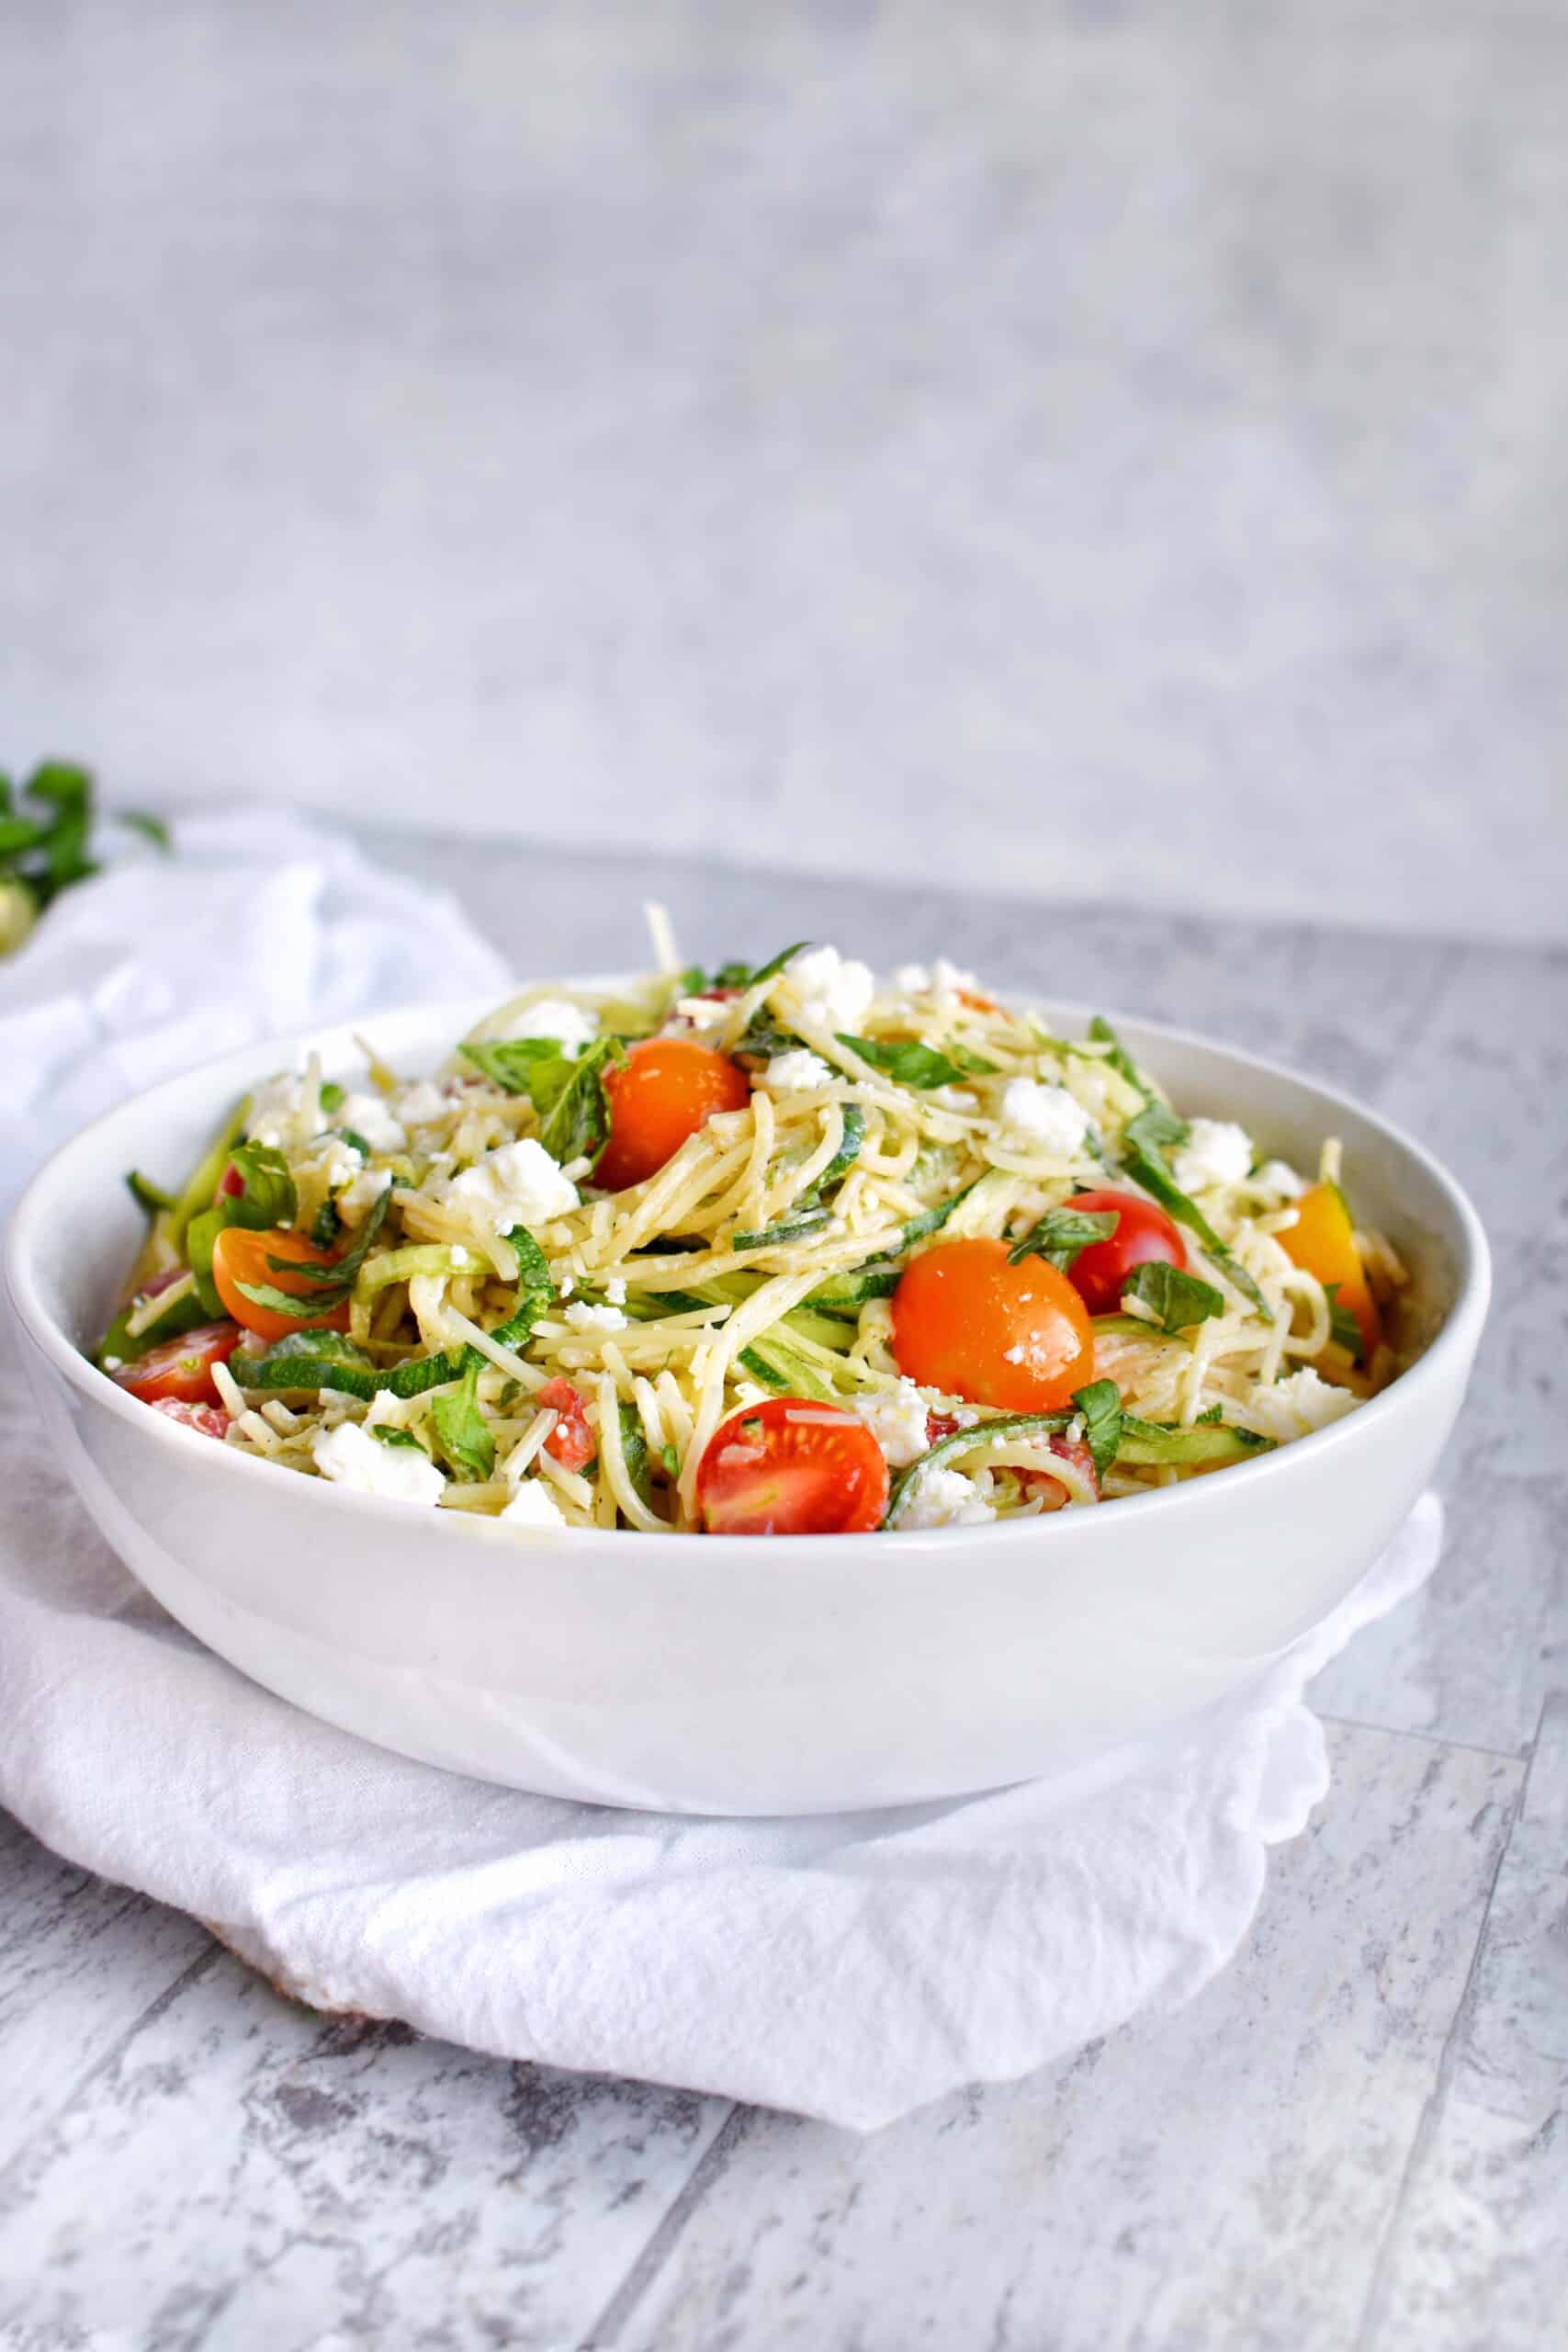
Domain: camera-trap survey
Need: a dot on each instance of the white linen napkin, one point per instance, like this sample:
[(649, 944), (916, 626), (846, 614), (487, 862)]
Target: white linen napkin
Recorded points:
[(850, 1967)]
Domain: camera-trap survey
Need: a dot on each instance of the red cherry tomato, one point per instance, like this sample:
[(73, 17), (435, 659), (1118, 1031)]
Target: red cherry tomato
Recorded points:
[(1052, 1493), (571, 1441), (241, 1256), (971, 1324), (667, 1089), (231, 1184), (180, 1370), (1143, 1232), (209, 1420), (789, 1467)]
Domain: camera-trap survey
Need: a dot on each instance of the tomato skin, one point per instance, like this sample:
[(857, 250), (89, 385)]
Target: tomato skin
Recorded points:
[(571, 1442), (211, 1421), (1323, 1240), (231, 1184), (180, 1370), (791, 1466), (1143, 1235), (666, 1089), (241, 1256), (968, 1322)]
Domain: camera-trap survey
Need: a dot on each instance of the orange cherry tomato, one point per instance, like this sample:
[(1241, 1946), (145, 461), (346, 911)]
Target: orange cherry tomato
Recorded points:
[(789, 1467), (1323, 1241), (571, 1442), (967, 1322), (241, 1256), (180, 1370), (666, 1089)]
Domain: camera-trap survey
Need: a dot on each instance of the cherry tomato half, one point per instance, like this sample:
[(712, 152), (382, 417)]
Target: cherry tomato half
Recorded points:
[(241, 1256), (1323, 1240), (789, 1467), (966, 1321), (666, 1089), (180, 1370), (571, 1441), (211, 1421), (231, 1184), (1052, 1493), (1144, 1232)]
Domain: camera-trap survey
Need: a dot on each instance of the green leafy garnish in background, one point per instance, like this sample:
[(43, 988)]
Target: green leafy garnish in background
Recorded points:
[(1179, 1300), (1062, 1235), (46, 841), (462, 1433)]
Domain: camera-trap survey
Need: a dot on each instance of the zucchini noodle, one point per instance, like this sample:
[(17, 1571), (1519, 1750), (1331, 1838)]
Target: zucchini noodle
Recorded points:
[(514, 1337)]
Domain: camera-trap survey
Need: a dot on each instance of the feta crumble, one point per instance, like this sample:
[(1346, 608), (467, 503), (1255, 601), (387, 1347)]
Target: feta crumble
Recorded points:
[(834, 994), (947, 982), (285, 1114), (615, 1291), (1301, 1402), (898, 1422), (1043, 1119), (944, 1497), (1277, 1180), (355, 1202), (350, 1458), (369, 1116), (533, 1504), (796, 1072), (584, 1317), (1217, 1152), (518, 1183), (552, 1016), (421, 1104)]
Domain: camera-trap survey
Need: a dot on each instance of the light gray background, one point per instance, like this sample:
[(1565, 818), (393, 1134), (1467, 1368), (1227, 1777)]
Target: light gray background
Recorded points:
[(1097, 450)]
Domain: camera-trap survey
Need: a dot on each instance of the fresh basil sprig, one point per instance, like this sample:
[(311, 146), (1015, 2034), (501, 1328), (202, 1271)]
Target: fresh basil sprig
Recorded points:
[(388, 1433), (1144, 1144), (1179, 1299), (1063, 1234), (509, 1062), (267, 1200), (1120, 1060), (462, 1433), (921, 1067), (1100, 1405)]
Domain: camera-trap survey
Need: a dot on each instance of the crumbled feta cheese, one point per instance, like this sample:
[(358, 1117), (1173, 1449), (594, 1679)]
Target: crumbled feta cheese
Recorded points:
[(459, 1255), (898, 1422), (567, 1284), (952, 1098), (518, 1183), (615, 1291), (1277, 1180), (944, 1498), (369, 1116), (1043, 1119), (834, 994), (796, 1072), (568, 1025), (1217, 1152), (1300, 1402), (113, 1363), (703, 1012), (354, 1204), (336, 1164), (383, 1407), (421, 1104), (943, 980), (584, 1317), (285, 1114), (405, 1473), (533, 1504)]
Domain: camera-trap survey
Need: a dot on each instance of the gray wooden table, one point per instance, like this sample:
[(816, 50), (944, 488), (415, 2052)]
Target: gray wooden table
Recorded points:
[(1358, 2135)]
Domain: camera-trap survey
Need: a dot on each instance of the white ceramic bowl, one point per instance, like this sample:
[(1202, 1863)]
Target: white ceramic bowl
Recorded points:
[(722, 1674)]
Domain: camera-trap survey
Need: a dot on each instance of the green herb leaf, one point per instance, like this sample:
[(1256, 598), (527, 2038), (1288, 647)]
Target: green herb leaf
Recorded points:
[(1120, 1060), (509, 1063), (151, 829), (327, 1227), (1100, 1405), (1343, 1328), (462, 1433), (633, 1453), (973, 1064), (921, 1067), (1214, 1413), (333, 1097), (267, 1200), (1063, 1234), (671, 1459), (338, 1278), (388, 1433), (1144, 1158), (764, 1039), (1179, 1299), (146, 1194), (577, 1123), (775, 964), (1156, 1128)]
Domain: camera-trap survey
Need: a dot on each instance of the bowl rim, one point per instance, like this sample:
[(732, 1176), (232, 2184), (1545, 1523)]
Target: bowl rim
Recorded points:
[(1454, 1342)]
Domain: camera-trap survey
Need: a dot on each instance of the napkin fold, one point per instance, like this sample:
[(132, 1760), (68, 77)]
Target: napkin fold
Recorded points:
[(850, 1967)]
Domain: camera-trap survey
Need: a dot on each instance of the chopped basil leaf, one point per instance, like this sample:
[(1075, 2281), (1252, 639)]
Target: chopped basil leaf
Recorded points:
[(775, 964), (327, 1227), (509, 1062), (150, 827), (764, 1039), (1120, 1060), (462, 1433), (1144, 1158), (338, 1278), (388, 1433), (1155, 1128), (1343, 1328), (267, 1199), (1179, 1300), (633, 1453), (907, 1065), (1100, 1405), (973, 1065), (1062, 1234), (333, 1097), (1213, 1413), (575, 1121), (147, 1195)]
